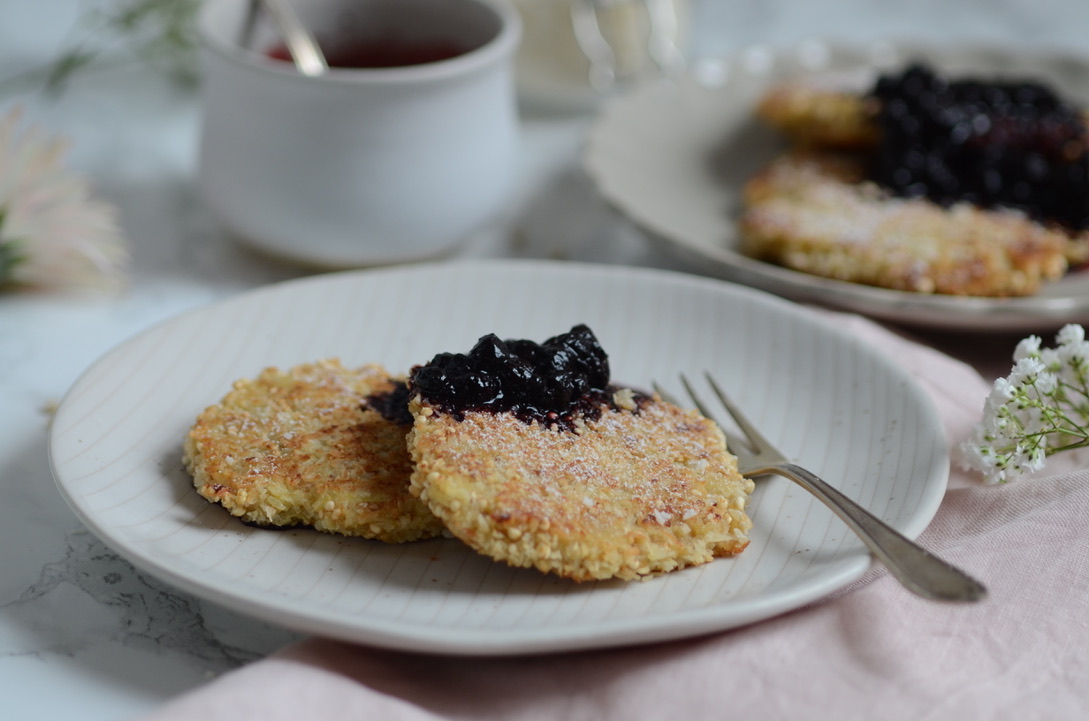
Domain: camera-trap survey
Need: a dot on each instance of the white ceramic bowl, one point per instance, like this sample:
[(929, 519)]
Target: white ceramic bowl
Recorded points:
[(360, 166)]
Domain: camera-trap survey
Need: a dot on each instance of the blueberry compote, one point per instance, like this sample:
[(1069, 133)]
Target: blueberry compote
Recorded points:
[(553, 382), (994, 144), (392, 404)]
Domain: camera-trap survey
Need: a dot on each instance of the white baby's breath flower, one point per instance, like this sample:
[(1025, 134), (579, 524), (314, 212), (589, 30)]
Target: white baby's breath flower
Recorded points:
[(1002, 390), (1071, 334), (1040, 409), (1027, 372), (1072, 357), (1027, 348), (53, 234)]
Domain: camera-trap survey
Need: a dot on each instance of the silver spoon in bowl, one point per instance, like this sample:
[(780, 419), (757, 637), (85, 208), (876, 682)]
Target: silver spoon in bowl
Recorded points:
[(301, 43)]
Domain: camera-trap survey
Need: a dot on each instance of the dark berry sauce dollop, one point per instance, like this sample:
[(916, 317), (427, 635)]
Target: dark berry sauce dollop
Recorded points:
[(392, 404), (993, 144), (553, 383)]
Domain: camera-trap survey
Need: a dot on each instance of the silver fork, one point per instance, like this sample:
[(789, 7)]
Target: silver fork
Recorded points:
[(916, 568)]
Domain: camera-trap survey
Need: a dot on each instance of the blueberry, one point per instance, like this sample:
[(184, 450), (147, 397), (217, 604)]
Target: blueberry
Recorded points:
[(992, 143), (547, 382)]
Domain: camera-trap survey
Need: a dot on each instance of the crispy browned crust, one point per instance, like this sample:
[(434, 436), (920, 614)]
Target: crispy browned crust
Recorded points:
[(626, 496), (813, 212), (295, 448), (816, 115)]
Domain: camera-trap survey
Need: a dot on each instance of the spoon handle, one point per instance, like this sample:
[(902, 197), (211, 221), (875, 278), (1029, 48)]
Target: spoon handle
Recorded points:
[(301, 44)]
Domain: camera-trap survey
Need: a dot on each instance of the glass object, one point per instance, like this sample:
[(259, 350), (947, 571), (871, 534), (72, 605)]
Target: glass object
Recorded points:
[(575, 51)]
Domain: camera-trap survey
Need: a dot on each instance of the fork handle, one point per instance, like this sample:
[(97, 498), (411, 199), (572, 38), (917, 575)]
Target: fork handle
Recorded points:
[(916, 568)]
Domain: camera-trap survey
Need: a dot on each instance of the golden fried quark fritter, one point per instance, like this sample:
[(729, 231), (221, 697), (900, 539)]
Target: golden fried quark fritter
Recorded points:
[(819, 113), (815, 212), (644, 488), (922, 183), (295, 447)]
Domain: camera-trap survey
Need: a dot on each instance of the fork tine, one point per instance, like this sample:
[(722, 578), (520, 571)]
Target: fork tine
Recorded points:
[(664, 394), (696, 398), (736, 443), (757, 442), (755, 439), (670, 398)]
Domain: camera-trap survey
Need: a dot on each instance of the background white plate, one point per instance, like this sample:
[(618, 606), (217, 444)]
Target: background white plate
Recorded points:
[(831, 401), (674, 157)]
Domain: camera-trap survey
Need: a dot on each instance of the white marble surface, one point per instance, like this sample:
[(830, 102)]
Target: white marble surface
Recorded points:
[(83, 634)]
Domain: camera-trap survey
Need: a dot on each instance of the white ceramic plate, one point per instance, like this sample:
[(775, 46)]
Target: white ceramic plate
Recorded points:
[(833, 403), (674, 157)]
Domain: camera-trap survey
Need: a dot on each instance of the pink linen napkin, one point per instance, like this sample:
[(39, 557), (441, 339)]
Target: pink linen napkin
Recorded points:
[(871, 651)]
